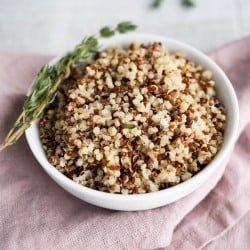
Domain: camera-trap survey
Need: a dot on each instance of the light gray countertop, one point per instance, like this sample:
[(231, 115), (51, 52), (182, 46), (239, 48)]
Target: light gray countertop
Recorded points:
[(53, 26)]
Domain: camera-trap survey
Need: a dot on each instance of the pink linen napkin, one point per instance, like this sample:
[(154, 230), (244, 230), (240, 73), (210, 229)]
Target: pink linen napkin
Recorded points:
[(35, 213)]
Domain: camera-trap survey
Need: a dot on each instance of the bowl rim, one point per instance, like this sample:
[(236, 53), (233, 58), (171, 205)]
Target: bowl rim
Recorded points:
[(216, 161)]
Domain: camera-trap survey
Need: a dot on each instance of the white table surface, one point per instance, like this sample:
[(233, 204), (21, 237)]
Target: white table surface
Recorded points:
[(53, 26)]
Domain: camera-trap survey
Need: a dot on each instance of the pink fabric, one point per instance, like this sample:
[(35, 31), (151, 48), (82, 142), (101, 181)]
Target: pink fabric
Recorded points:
[(35, 213)]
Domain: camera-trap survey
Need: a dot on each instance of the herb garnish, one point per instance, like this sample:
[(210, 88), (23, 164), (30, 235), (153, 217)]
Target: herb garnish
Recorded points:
[(129, 126), (156, 4), (120, 28), (45, 87), (188, 3)]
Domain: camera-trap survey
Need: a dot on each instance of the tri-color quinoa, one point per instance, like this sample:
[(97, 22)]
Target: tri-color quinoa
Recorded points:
[(134, 120)]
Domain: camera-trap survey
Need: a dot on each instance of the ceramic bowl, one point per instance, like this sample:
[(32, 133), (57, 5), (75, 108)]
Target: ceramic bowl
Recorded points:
[(226, 95)]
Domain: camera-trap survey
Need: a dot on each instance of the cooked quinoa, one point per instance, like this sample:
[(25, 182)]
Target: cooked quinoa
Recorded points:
[(135, 119)]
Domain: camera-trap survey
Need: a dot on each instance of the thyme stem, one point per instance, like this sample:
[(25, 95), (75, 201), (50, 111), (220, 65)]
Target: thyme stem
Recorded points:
[(49, 78)]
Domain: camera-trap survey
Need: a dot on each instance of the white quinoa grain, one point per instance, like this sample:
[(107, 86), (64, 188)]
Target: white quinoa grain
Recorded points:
[(96, 130), (112, 131)]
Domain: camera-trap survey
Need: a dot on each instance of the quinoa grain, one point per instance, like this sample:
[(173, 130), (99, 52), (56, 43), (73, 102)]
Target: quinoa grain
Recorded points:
[(136, 120)]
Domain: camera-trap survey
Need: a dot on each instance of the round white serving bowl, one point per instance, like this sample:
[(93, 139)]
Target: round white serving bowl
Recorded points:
[(226, 95)]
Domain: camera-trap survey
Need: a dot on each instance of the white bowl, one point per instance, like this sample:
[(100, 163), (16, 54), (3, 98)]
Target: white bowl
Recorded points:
[(135, 202)]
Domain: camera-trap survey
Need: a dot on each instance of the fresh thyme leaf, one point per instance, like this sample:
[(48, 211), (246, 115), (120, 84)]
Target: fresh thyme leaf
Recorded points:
[(91, 43), (156, 4), (107, 32), (188, 3), (129, 126), (49, 78), (52, 97), (125, 27)]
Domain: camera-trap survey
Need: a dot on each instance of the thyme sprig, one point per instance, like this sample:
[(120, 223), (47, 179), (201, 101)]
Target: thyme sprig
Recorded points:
[(45, 87)]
